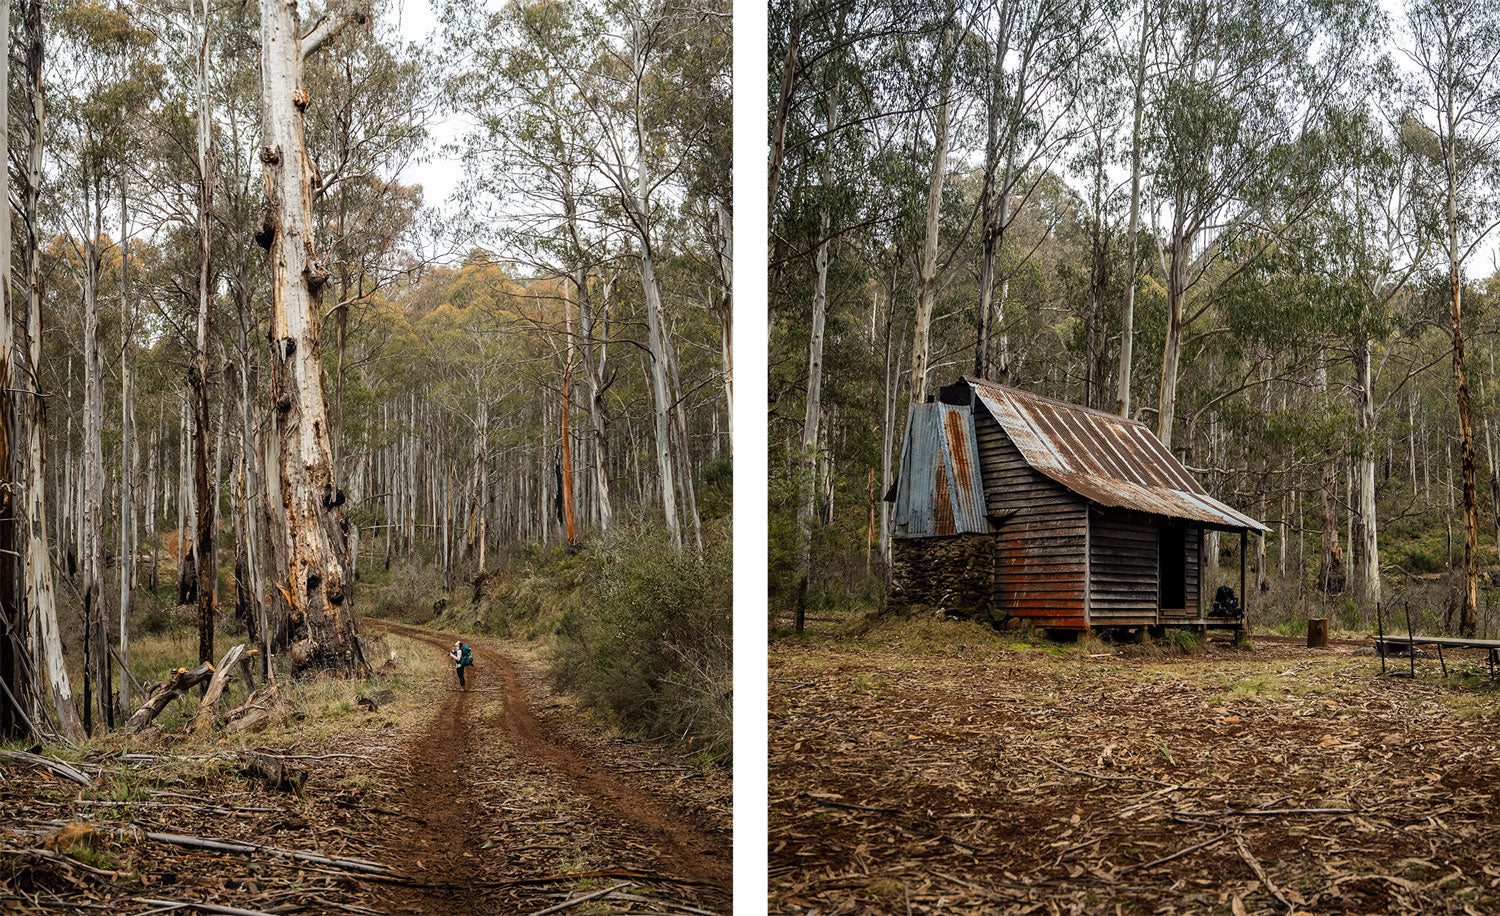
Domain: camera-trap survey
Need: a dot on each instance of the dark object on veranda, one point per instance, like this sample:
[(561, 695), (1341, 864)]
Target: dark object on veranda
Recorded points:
[(1225, 603)]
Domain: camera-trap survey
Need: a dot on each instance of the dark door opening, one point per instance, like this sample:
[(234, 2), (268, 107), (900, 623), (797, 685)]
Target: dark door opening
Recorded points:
[(1172, 560)]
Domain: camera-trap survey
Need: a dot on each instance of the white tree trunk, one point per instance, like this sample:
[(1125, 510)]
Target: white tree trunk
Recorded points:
[(322, 615), (39, 594), (927, 297)]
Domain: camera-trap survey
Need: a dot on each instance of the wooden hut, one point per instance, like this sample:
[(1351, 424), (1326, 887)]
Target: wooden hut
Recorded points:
[(1013, 505)]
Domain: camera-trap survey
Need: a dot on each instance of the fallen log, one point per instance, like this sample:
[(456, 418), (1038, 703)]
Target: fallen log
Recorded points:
[(48, 763), (181, 681), (203, 719), (275, 772), (195, 842)]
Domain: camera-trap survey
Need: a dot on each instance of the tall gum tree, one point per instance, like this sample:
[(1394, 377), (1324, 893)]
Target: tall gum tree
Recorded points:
[(323, 624), (1456, 49)]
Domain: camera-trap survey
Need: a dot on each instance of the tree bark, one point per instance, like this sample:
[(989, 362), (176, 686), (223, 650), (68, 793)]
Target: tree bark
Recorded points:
[(40, 595), (324, 626), (1127, 307), (813, 409), (13, 720), (205, 500), (127, 439), (927, 278), (1369, 577)]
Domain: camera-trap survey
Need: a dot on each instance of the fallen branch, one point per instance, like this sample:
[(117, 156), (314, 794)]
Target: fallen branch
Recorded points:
[(201, 907), (1264, 812), (1260, 872), (179, 683), (49, 763), (203, 719), (581, 898), (194, 842), (1176, 855), (259, 710)]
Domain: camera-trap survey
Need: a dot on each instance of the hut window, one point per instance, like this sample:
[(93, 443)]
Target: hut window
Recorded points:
[(1172, 556)]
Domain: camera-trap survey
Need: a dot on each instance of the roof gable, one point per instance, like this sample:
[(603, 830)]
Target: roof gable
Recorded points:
[(940, 491)]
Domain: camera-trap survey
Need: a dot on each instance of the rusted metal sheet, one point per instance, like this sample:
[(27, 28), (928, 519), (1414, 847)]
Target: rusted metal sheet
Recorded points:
[(939, 491), (1107, 459)]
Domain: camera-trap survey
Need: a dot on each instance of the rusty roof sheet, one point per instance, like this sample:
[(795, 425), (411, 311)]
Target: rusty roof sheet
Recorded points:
[(1105, 458), (939, 491)]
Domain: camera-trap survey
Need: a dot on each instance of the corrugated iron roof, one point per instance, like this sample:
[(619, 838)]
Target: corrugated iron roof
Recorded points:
[(939, 491), (1105, 458)]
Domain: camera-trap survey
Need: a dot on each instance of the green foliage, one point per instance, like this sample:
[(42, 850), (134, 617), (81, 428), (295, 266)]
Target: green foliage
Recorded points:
[(653, 645)]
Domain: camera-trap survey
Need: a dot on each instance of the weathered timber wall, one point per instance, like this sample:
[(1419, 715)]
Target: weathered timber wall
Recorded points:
[(1124, 568), (941, 575), (1041, 554), (1194, 567)]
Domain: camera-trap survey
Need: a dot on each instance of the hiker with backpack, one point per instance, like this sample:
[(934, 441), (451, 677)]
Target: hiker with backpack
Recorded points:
[(462, 657)]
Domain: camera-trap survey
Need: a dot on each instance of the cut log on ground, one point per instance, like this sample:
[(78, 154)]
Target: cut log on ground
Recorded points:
[(203, 719), (1317, 633), (275, 772), (165, 692)]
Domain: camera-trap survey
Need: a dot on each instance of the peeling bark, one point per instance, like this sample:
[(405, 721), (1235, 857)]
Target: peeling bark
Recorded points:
[(323, 624)]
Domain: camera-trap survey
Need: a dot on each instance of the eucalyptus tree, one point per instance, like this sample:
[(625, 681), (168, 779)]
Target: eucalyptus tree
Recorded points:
[(1455, 47), (14, 722), (529, 167), (943, 42), (93, 41), (1244, 83), (1125, 376), (834, 74), (39, 591), (322, 610), (1035, 53), (1370, 245)]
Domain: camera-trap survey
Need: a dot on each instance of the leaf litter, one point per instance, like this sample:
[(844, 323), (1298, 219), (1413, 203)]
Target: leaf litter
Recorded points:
[(928, 779)]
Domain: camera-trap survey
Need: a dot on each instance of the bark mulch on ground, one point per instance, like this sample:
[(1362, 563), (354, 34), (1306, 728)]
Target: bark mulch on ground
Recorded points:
[(913, 773)]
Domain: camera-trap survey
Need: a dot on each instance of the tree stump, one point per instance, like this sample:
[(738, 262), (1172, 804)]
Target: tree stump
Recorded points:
[(1317, 633)]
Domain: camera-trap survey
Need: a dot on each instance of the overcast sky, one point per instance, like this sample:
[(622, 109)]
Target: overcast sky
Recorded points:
[(440, 175)]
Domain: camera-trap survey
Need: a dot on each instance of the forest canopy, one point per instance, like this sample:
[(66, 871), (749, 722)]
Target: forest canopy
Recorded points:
[(252, 362), (1265, 230)]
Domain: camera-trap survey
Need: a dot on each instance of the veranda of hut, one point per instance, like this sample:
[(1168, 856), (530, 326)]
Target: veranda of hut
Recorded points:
[(1010, 505)]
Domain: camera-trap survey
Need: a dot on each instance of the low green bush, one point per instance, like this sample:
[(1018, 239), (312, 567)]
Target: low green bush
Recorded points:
[(652, 644)]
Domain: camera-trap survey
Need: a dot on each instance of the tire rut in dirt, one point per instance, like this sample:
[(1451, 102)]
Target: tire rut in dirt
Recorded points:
[(683, 849), (437, 845)]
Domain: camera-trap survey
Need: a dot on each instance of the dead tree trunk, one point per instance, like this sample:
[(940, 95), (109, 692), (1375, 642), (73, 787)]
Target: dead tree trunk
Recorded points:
[(324, 627)]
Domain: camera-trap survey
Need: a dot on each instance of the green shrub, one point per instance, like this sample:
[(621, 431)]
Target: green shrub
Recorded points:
[(652, 646), (1183, 641)]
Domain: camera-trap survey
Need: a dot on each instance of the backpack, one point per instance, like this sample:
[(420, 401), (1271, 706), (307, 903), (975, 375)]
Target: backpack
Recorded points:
[(465, 658), (1225, 604)]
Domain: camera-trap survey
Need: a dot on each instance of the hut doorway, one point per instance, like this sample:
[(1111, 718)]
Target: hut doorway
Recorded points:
[(1172, 566)]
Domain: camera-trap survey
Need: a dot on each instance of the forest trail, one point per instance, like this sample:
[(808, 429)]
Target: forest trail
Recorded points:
[(489, 751)]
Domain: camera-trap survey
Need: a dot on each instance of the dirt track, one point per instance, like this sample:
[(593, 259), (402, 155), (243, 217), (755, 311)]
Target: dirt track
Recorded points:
[(487, 784)]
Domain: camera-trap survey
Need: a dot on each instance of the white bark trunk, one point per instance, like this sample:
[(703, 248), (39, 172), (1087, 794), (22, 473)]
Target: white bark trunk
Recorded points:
[(321, 613), (927, 297)]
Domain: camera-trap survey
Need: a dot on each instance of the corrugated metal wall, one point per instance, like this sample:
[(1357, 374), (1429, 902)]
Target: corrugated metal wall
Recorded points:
[(1040, 566)]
